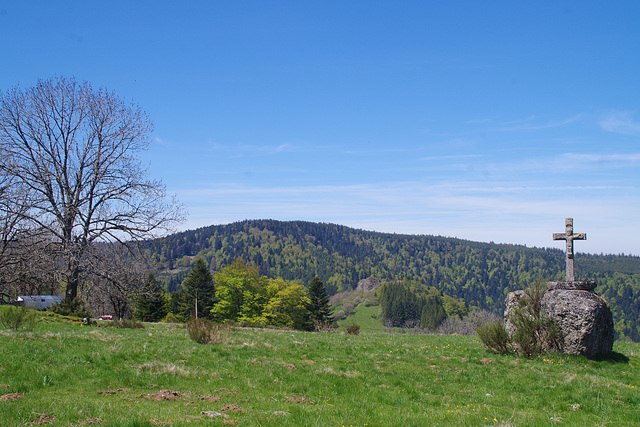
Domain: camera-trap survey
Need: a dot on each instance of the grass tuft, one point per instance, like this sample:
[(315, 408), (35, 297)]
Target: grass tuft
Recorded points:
[(207, 332)]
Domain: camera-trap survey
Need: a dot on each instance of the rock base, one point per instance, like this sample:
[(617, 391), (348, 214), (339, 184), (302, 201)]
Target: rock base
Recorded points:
[(585, 319), (577, 285)]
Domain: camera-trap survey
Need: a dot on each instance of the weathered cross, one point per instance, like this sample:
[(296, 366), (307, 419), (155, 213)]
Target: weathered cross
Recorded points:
[(569, 236)]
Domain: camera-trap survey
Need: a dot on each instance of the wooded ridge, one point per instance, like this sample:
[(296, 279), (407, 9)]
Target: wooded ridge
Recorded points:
[(481, 274)]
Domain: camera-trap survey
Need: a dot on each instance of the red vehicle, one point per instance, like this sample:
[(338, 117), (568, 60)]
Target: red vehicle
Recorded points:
[(106, 317)]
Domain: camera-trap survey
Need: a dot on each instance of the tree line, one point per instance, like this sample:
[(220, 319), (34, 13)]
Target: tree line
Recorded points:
[(407, 306), (238, 293), (480, 274)]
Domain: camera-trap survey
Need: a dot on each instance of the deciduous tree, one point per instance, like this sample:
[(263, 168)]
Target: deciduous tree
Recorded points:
[(286, 305), (241, 292), (73, 154)]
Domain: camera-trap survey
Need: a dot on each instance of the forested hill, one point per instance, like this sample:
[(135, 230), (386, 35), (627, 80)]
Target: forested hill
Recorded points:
[(479, 273)]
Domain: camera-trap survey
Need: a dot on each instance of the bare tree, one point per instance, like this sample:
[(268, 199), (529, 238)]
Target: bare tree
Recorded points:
[(73, 151), (118, 275), (26, 267)]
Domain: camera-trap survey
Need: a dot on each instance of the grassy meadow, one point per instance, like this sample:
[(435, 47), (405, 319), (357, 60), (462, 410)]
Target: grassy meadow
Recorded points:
[(65, 374)]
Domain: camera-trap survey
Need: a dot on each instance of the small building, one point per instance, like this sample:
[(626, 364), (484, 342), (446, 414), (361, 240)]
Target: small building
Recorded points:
[(38, 302)]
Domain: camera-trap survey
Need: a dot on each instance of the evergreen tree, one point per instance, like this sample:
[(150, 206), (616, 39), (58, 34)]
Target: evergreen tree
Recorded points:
[(319, 308), (197, 296), (151, 303), (433, 312)]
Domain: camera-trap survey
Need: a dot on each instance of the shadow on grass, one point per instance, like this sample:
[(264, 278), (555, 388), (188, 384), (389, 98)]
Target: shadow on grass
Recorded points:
[(611, 357)]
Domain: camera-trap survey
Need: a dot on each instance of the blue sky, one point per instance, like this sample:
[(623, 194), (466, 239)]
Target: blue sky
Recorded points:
[(488, 121)]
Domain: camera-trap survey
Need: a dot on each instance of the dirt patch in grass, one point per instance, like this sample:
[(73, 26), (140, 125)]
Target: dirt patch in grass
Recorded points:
[(308, 362), (163, 395), (42, 419), (209, 397), (299, 399), (214, 414), (11, 397), (233, 408), (290, 366)]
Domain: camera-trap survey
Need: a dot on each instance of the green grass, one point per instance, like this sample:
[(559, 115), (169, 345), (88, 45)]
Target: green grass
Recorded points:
[(367, 317), (102, 376)]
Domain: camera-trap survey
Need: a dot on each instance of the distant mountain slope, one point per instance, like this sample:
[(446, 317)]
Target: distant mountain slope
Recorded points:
[(479, 273)]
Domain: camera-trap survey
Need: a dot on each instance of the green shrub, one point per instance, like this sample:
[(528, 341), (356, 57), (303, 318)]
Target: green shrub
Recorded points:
[(494, 336), (74, 307), (17, 318), (532, 331), (170, 318), (207, 332), (533, 335), (128, 324), (340, 315)]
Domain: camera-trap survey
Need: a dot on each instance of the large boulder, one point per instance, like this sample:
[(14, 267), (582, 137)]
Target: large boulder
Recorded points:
[(584, 319)]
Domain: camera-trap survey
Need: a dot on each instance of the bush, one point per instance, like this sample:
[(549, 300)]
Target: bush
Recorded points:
[(128, 324), (531, 330), (348, 309), (353, 329), (534, 332), (495, 336), (469, 325), (339, 315), (17, 318), (74, 307), (207, 332), (320, 326), (338, 298), (170, 318)]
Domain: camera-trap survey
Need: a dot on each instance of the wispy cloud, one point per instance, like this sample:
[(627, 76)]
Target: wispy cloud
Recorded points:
[(589, 159), (502, 213), (621, 122), (483, 126), (532, 124)]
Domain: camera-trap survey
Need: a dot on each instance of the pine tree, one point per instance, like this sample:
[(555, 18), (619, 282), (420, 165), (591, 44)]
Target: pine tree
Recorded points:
[(319, 307), (150, 303), (433, 312), (198, 293)]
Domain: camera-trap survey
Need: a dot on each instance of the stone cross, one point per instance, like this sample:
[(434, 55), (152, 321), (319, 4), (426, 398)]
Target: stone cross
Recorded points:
[(569, 236)]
